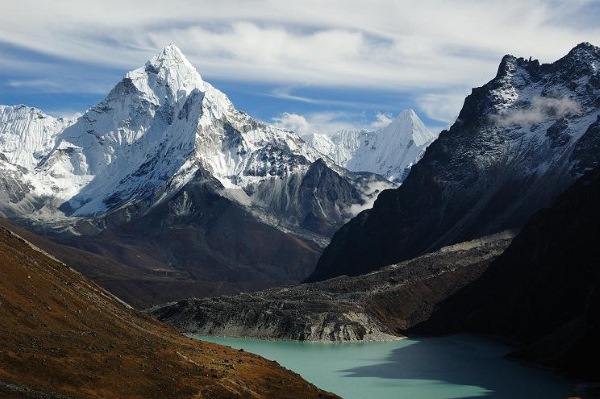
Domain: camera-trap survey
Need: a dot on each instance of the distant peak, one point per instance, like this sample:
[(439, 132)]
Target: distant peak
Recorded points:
[(408, 123), (585, 46), (407, 116)]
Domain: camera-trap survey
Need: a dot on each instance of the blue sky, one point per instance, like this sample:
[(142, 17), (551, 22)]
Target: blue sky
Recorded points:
[(310, 65)]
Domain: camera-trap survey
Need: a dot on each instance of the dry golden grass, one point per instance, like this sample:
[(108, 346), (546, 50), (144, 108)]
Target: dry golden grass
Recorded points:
[(63, 334)]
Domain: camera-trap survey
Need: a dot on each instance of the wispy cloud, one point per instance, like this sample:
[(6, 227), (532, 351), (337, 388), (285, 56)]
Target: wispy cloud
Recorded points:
[(441, 107), (64, 113), (333, 42), (381, 121), (541, 109), (35, 83), (286, 93), (317, 122), (330, 122), (60, 86), (437, 49)]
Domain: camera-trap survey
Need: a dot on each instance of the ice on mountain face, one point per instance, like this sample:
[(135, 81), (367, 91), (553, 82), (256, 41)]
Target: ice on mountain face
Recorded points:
[(161, 127), (542, 117), (134, 140), (27, 134), (390, 151)]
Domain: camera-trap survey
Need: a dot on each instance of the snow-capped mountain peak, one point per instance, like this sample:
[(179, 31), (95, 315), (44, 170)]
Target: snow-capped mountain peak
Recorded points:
[(155, 129), (407, 125), (133, 142), (389, 151), (585, 53), (167, 75)]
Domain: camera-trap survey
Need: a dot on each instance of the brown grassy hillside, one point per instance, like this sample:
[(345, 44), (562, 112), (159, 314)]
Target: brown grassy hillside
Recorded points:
[(63, 336)]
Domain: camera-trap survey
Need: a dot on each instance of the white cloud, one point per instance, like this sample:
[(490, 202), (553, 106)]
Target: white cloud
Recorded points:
[(329, 122), (381, 121), (294, 122), (349, 42), (36, 83), (64, 113), (438, 49), (540, 110)]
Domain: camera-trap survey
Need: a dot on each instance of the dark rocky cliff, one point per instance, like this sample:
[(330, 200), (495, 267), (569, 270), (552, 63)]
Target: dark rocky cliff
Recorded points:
[(544, 291), (518, 142)]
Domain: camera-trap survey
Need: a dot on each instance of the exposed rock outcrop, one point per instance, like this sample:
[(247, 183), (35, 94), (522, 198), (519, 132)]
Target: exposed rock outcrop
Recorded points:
[(373, 307)]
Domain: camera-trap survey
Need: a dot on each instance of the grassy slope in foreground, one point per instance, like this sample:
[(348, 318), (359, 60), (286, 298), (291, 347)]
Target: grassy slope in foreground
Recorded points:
[(64, 336)]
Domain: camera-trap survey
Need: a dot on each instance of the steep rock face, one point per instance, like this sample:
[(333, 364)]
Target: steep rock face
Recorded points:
[(519, 141), (390, 151), (63, 337), (378, 306), (316, 200), (543, 291), (212, 238)]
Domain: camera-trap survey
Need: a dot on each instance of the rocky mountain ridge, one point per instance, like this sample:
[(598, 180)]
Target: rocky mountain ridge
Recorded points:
[(378, 306), (157, 128), (518, 142), (543, 292)]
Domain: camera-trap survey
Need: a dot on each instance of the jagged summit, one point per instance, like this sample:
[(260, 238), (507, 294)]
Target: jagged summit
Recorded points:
[(582, 60), (389, 151), (584, 49), (167, 73)]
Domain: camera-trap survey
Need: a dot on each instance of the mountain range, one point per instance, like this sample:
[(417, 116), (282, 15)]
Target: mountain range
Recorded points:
[(523, 155), (173, 185), (164, 191), (519, 141)]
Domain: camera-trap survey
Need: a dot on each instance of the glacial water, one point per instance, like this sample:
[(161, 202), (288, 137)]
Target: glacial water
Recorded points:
[(459, 366)]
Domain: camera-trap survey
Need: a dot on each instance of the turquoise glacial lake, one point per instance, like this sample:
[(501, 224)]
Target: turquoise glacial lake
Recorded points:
[(458, 366)]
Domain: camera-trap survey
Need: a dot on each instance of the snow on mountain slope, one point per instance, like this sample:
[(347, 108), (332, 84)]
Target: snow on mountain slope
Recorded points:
[(162, 126), (340, 146), (128, 146), (154, 130), (390, 151), (27, 134), (165, 174)]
